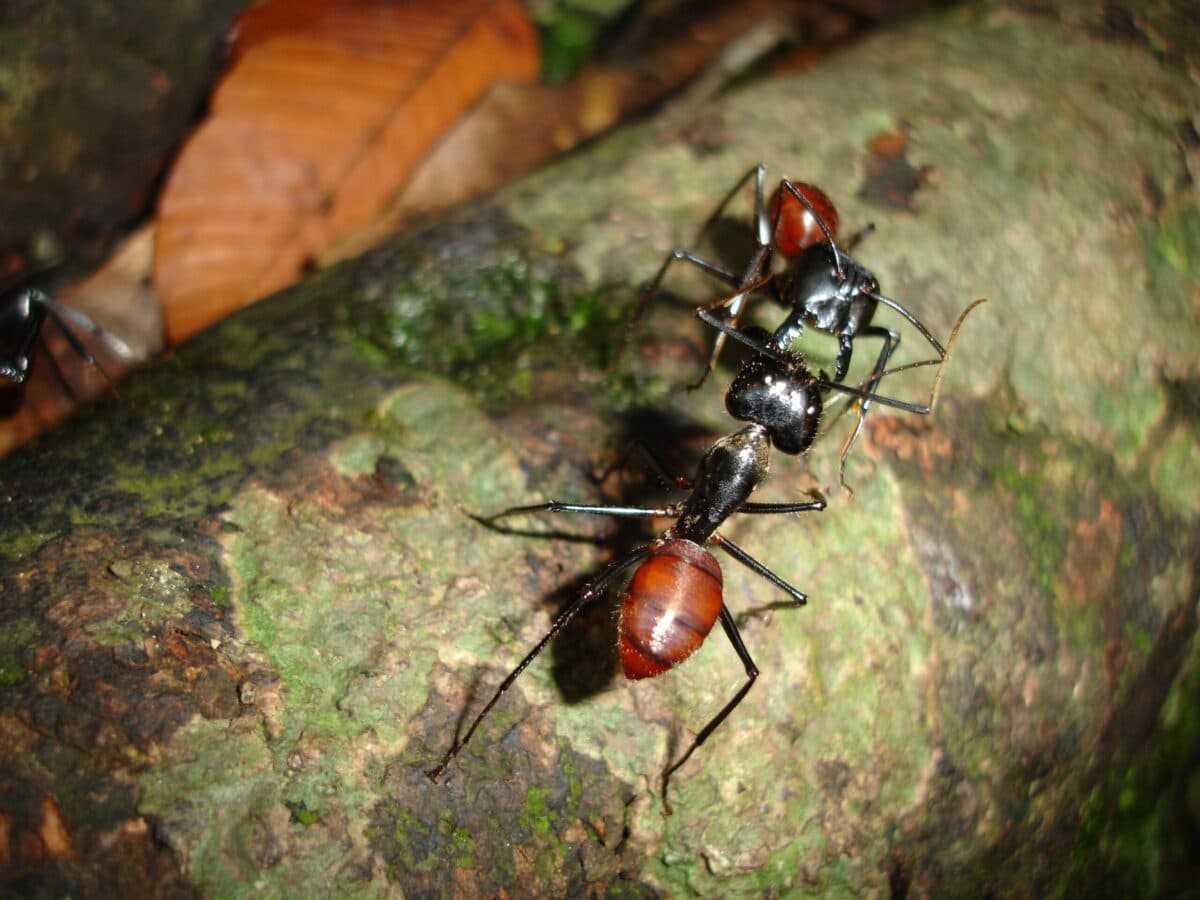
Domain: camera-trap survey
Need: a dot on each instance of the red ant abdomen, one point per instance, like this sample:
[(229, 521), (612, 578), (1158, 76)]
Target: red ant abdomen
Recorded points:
[(669, 607), (798, 229)]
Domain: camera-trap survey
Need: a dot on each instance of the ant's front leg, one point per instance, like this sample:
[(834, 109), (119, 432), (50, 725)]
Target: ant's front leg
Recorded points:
[(891, 341)]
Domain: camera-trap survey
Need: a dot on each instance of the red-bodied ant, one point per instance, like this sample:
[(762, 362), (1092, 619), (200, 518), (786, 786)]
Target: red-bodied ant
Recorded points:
[(675, 595), (23, 313), (824, 288)]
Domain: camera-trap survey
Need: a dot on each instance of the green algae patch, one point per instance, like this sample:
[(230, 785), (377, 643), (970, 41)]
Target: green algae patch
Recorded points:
[(494, 328), (1172, 250), (1131, 841), (327, 583), (213, 794)]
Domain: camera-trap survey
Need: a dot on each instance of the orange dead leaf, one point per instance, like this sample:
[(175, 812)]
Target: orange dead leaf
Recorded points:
[(519, 126), (311, 132)]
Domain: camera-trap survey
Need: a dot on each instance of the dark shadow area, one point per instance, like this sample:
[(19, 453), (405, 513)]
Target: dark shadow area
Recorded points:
[(584, 656)]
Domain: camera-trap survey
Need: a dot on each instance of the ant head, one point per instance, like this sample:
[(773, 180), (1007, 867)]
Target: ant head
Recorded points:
[(781, 397), (796, 226)]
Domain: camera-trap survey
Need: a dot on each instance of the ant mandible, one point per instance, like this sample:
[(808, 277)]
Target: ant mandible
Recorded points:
[(23, 313), (675, 595)]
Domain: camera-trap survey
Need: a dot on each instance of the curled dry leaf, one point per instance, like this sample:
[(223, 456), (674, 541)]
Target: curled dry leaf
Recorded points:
[(519, 126), (319, 121)]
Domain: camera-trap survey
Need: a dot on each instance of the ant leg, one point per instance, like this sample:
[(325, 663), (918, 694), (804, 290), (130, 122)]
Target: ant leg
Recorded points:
[(857, 237), (650, 291), (816, 504), (637, 445), (735, 638), (891, 341), (799, 598), (61, 376), (594, 589), (759, 174), (57, 312), (759, 263), (556, 506), (756, 276), (841, 365), (88, 324)]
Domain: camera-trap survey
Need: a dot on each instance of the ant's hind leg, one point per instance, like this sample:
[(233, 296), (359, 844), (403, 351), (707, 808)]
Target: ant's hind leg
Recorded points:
[(735, 638), (679, 254), (761, 224), (591, 592), (799, 598)]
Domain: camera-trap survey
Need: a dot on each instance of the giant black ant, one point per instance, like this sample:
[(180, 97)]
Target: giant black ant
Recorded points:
[(675, 595), (23, 313), (825, 288)]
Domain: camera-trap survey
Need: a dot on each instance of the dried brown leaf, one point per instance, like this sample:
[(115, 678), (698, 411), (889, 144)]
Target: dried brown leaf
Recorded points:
[(312, 131)]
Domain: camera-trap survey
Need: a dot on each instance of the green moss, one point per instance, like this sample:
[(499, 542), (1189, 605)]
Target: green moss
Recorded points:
[(220, 596), (16, 636), (301, 814), (1042, 529), (464, 848), (1172, 248), (494, 328), (1176, 475), (19, 543), (537, 816), (1129, 416), (1135, 838)]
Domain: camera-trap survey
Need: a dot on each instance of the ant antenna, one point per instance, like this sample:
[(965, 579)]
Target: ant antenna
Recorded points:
[(852, 437), (910, 318)]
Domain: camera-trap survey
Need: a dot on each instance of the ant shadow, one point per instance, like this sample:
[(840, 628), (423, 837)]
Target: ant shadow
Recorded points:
[(729, 241), (584, 659)]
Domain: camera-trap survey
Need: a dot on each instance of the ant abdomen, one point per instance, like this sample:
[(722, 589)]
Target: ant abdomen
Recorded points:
[(669, 607), (798, 228)]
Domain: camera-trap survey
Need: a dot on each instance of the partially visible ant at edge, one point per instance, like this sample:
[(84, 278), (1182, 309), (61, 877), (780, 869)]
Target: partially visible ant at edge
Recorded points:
[(675, 595), (24, 312), (823, 288)]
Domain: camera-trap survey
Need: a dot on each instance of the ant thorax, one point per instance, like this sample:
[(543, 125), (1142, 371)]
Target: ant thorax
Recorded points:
[(824, 298), (730, 471)]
